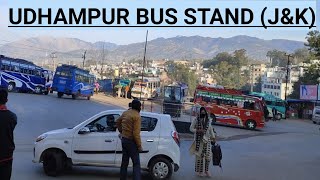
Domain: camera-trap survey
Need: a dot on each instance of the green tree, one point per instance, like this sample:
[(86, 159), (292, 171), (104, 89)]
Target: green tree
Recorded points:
[(302, 55), (182, 73), (313, 42), (278, 58)]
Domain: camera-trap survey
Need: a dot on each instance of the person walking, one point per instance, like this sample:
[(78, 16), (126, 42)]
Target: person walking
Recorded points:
[(129, 126), (97, 86), (8, 121), (201, 147)]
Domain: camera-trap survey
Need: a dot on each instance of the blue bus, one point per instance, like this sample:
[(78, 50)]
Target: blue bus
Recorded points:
[(71, 80), (21, 75)]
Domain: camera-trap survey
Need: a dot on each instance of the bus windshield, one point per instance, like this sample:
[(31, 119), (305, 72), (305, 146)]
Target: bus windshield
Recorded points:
[(63, 73), (172, 93)]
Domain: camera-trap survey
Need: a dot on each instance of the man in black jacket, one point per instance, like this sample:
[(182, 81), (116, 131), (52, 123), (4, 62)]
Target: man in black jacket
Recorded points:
[(8, 121)]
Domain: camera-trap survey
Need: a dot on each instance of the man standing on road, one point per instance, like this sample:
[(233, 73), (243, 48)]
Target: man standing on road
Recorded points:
[(129, 125), (8, 121)]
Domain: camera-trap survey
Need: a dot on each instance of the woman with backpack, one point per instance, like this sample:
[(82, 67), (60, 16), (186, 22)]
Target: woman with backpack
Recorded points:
[(201, 147)]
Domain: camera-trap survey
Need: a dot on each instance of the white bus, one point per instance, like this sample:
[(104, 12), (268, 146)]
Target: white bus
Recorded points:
[(149, 88)]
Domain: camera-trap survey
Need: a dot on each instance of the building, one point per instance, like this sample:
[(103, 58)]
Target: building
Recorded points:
[(277, 89)]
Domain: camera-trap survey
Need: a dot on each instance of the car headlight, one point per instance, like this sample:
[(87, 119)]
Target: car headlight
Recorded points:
[(41, 137)]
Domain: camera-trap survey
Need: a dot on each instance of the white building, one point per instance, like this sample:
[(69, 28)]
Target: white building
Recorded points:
[(274, 80)]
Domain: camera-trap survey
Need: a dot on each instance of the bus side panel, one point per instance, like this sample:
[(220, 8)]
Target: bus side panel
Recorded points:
[(21, 81)]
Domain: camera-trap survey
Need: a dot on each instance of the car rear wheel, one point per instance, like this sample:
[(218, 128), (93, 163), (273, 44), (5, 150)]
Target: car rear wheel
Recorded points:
[(160, 168), (53, 163), (251, 124)]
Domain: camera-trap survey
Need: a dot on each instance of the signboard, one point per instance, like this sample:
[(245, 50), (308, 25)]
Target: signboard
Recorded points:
[(319, 92), (309, 92)]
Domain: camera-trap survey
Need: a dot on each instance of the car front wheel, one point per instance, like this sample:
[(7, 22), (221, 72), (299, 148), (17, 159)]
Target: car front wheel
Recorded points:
[(53, 163), (160, 168)]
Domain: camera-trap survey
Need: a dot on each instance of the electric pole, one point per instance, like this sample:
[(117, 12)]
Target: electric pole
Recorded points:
[(53, 55), (287, 75), (251, 70), (84, 58), (144, 61)]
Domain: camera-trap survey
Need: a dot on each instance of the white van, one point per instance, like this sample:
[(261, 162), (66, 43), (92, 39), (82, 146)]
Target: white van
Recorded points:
[(316, 115)]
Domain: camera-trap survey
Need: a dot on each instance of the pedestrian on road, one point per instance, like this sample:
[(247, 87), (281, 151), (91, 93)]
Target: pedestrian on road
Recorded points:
[(201, 147), (129, 126), (97, 86), (274, 113), (8, 121)]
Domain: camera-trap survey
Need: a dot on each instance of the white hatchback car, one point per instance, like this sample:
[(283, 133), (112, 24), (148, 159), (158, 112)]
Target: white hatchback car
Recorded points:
[(95, 142)]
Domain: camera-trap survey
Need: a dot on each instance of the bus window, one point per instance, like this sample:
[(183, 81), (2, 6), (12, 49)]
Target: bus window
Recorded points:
[(279, 103), (269, 102)]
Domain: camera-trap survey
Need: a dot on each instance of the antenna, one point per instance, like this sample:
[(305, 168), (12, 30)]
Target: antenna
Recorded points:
[(144, 62)]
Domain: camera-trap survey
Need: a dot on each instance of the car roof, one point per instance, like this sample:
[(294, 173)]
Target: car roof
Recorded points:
[(142, 112)]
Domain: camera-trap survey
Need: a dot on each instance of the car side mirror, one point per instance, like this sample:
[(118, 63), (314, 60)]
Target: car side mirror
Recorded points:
[(84, 130)]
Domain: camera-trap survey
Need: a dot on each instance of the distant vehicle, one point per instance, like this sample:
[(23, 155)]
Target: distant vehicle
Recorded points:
[(149, 88), (21, 75), (272, 102), (95, 142), (174, 96), (316, 113), (230, 106), (71, 80)]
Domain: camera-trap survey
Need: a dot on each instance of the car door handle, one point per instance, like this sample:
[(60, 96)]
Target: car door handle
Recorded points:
[(150, 140), (108, 140)]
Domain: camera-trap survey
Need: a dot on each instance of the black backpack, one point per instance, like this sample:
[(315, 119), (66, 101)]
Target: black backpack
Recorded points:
[(216, 154)]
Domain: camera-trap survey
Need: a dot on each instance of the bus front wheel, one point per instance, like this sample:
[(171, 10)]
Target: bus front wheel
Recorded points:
[(278, 116), (251, 124), (60, 94), (11, 87)]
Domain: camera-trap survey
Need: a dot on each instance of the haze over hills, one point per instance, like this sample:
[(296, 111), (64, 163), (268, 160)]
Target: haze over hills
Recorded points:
[(176, 48)]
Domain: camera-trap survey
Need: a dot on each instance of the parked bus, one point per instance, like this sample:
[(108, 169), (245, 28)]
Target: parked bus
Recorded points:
[(230, 107), (272, 103), (21, 75), (174, 96), (149, 88), (71, 80)]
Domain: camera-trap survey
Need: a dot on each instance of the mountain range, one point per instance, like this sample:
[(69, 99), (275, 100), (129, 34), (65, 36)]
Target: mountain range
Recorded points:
[(177, 48)]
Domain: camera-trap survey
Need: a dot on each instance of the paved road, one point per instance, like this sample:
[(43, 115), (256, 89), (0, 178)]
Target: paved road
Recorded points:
[(283, 150)]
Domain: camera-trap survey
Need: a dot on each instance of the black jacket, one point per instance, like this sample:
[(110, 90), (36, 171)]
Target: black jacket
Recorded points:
[(8, 121)]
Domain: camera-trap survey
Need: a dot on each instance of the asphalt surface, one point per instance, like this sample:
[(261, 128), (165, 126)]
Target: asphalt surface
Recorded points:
[(285, 150)]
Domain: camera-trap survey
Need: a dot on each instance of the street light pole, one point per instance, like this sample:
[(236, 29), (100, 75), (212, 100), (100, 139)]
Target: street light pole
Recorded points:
[(84, 58), (144, 62), (287, 75)]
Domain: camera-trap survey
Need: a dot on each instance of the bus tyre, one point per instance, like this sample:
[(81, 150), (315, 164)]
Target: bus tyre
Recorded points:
[(74, 96), (60, 94), (213, 117), (251, 124), (160, 168), (53, 163), (38, 90), (278, 116), (11, 86), (88, 97)]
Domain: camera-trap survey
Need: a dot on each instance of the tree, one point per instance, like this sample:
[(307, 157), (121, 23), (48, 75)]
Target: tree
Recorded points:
[(310, 77), (278, 58), (302, 55), (182, 73), (313, 42)]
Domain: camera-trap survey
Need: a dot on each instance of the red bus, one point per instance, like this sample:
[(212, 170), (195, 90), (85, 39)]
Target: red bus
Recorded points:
[(230, 106)]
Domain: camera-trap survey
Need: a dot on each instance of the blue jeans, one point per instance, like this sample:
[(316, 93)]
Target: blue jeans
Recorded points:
[(130, 150)]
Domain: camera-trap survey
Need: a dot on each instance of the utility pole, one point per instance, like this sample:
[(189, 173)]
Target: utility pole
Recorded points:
[(144, 61), (251, 70), (287, 75), (102, 61), (84, 58), (53, 55)]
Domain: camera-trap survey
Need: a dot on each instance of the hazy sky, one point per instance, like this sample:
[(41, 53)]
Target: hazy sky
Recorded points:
[(132, 35)]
